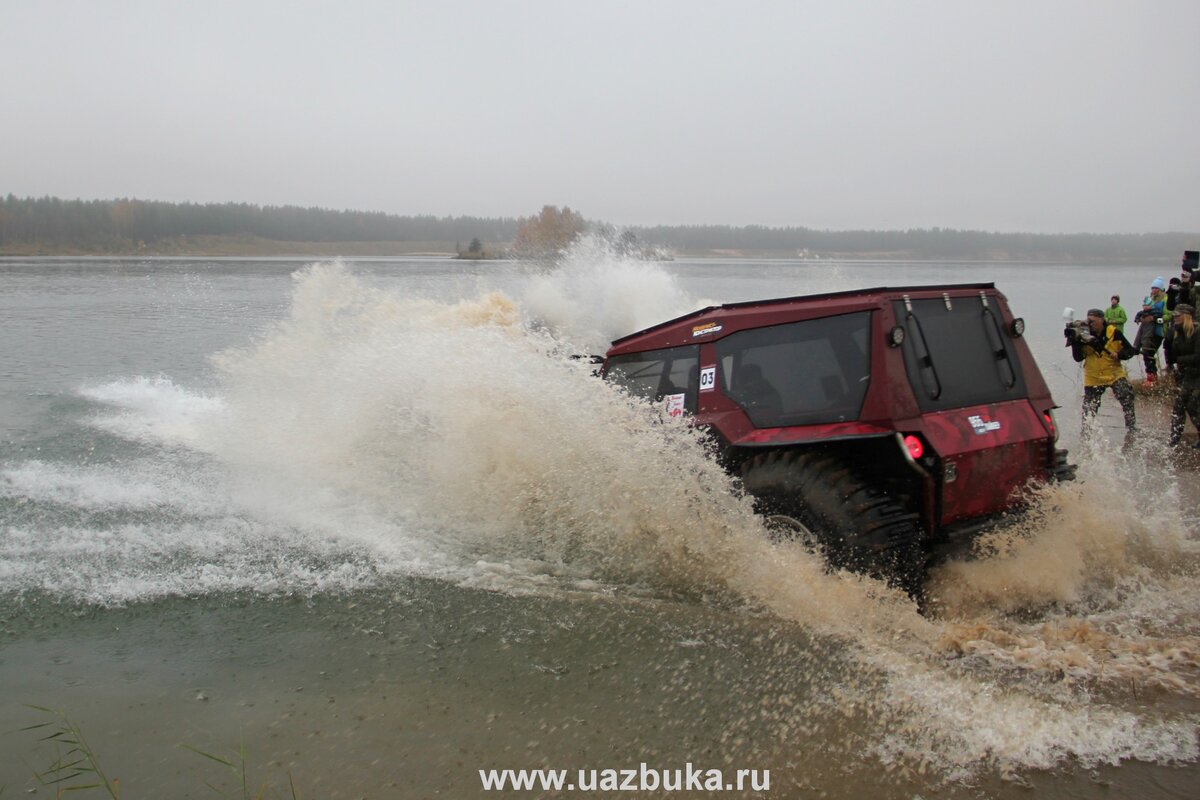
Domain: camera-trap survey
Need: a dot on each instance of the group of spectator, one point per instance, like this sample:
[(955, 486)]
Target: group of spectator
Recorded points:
[(1166, 321)]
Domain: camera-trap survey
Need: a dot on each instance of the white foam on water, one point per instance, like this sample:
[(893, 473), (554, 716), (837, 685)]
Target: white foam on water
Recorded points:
[(169, 527), (143, 561), (151, 410), (109, 488), (957, 724)]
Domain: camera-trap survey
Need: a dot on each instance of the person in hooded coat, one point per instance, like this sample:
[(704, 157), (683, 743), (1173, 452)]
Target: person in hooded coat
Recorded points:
[(1186, 347)]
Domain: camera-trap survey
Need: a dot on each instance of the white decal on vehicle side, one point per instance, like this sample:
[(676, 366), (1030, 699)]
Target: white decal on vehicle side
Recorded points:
[(708, 379)]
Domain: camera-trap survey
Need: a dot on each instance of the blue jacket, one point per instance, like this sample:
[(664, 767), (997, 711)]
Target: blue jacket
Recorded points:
[(1159, 310)]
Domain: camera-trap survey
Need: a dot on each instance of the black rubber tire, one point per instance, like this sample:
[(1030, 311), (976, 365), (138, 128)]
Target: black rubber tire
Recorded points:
[(1062, 470), (855, 525)]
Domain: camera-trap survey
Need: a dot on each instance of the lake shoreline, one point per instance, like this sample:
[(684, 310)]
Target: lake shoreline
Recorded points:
[(252, 249), (257, 247)]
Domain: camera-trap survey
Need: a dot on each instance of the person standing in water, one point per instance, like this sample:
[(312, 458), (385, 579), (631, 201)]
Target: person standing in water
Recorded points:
[(1158, 310), (1185, 347), (1102, 349), (1115, 315), (1144, 341)]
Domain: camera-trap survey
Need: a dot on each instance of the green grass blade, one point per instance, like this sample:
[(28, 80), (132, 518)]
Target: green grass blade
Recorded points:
[(217, 759), (34, 727)]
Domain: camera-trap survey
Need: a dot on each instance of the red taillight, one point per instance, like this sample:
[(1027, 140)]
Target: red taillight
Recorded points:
[(1049, 417), (915, 448)]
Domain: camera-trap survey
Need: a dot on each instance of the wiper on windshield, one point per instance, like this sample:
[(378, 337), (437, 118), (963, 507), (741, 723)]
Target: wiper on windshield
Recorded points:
[(916, 334), (999, 349)]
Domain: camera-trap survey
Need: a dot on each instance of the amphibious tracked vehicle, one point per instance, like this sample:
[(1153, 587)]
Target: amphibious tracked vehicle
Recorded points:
[(879, 424)]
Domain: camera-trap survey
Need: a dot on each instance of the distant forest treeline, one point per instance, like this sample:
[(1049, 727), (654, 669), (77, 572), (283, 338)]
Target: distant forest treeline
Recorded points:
[(50, 224), (924, 242), (117, 223)]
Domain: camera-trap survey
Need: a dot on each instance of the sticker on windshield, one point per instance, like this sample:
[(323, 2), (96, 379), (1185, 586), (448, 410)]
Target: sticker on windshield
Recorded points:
[(982, 424), (674, 404)]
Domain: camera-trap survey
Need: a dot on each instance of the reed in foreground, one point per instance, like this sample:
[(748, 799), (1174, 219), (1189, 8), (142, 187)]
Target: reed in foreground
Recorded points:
[(76, 767)]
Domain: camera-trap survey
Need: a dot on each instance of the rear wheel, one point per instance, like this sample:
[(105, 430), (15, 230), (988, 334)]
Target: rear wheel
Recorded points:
[(818, 499)]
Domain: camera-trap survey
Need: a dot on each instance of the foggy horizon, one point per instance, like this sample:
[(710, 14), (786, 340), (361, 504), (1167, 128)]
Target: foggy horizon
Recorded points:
[(1077, 117)]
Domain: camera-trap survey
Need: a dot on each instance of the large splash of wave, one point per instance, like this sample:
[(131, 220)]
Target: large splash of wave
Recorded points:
[(371, 432)]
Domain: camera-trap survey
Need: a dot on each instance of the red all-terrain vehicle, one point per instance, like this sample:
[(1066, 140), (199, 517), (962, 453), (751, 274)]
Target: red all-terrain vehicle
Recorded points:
[(879, 424)]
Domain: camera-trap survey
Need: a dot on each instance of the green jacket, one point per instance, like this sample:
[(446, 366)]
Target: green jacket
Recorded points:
[(1115, 315)]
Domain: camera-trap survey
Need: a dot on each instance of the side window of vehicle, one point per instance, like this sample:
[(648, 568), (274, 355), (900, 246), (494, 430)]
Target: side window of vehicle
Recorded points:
[(802, 373), (660, 375)]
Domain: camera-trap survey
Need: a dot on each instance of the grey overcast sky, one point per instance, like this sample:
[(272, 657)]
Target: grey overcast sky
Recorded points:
[(1050, 115)]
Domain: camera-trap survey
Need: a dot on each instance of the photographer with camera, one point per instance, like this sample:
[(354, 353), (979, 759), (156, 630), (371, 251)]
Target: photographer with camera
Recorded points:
[(1101, 348), (1182, 290), (1189, 292)]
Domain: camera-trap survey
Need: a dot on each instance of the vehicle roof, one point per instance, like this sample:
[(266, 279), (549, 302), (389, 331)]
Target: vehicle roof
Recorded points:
[(836, 302)]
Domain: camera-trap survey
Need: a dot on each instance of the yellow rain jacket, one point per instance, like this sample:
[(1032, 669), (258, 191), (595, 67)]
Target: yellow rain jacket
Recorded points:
[(1102, 359)]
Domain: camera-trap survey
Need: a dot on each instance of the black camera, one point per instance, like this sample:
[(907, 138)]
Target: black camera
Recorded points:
[(1078, 331)]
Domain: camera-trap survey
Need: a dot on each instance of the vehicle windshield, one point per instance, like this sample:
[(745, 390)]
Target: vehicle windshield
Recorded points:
[(802, 373), (655, 374)]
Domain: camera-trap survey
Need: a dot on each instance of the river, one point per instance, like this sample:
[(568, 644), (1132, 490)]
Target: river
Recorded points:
[(363, 522)]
